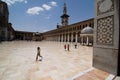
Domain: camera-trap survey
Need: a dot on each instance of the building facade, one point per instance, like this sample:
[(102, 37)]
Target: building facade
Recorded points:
[(24, 35), (7, 32), (63, 33), (69, 33), (4, 15), (66, 32), (11, 32), (37, 36)]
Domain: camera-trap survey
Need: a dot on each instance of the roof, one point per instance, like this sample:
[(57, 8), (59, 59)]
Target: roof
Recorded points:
[(87, 30)]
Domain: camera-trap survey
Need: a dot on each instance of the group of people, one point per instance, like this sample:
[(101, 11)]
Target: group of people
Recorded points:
[(67, 47)]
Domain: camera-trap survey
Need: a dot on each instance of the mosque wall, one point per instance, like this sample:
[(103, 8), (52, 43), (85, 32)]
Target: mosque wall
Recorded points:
[(106, 35)]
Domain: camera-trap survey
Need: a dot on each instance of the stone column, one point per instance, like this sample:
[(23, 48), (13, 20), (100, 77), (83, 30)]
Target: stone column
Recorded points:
[(71, 37), (56, 38), (68, 38), (76, 38), (65, 38), (62, 38), (106, 36), (87, 40), (59, 38), (51, 38), (24, 37), (82, 40)]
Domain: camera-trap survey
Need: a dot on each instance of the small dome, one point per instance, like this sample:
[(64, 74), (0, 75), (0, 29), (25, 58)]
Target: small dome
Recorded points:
[(87, 30)]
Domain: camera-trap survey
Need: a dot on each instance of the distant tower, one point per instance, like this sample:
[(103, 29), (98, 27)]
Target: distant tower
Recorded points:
[(64, 17)]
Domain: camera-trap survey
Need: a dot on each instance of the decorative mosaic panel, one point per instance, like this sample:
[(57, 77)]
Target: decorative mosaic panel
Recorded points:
[(104, 6), (105, 30)]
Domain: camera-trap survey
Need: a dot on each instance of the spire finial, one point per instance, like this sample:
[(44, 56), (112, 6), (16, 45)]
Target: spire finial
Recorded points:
[(65, 9), (64, 4)]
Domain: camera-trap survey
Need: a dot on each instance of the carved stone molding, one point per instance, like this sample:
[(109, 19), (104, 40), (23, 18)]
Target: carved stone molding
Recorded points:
[(104, 6)]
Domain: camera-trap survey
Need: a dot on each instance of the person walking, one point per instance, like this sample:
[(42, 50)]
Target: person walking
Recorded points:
[(65, 46), (68, 47), (38, 54), (75, 46)]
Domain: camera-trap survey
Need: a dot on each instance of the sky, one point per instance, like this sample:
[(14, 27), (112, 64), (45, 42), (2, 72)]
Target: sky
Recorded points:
[(43, 15)]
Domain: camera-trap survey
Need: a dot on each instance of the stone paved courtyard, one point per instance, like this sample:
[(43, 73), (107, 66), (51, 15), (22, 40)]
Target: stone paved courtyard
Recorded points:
[(17, 60)]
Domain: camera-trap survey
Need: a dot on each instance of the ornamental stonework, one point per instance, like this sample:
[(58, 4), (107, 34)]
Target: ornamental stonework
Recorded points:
[(105, 30), (104, 6)]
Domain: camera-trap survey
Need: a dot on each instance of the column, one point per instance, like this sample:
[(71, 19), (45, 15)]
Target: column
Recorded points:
[(62, 38), (87, 42), (76, 38), (71, 37), (24, 37), (55, 38), (59, 38), (65, 38), (68, 38), (82, 40)]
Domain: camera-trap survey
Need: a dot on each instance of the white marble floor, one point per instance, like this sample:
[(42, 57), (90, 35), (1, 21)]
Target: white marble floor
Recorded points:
[(17, 60)]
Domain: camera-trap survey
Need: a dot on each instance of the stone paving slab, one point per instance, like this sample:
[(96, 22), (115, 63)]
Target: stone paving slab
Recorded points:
[(17, 60), (94, 74)]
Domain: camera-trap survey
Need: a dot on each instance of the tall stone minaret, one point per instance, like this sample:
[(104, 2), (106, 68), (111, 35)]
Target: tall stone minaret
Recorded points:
[(64, 17)]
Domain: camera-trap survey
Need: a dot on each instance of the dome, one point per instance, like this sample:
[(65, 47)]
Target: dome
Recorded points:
[(87, 30)]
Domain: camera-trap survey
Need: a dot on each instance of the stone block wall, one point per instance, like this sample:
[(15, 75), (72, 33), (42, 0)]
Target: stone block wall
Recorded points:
[(106, 35)]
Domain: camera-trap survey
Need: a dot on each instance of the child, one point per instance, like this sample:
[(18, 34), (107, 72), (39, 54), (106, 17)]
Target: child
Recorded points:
[(38, 54)]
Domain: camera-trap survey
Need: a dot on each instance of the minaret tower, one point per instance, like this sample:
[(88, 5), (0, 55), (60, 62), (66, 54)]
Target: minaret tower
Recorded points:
[(64, 17)]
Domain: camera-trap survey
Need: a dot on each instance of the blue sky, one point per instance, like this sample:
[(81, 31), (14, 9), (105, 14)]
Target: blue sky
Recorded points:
[(43, 15)]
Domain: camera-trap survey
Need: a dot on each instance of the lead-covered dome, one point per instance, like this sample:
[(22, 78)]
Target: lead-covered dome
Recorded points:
[(87, 30)]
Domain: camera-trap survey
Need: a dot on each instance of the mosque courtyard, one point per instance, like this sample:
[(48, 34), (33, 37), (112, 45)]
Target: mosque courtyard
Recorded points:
[(17, 60)]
